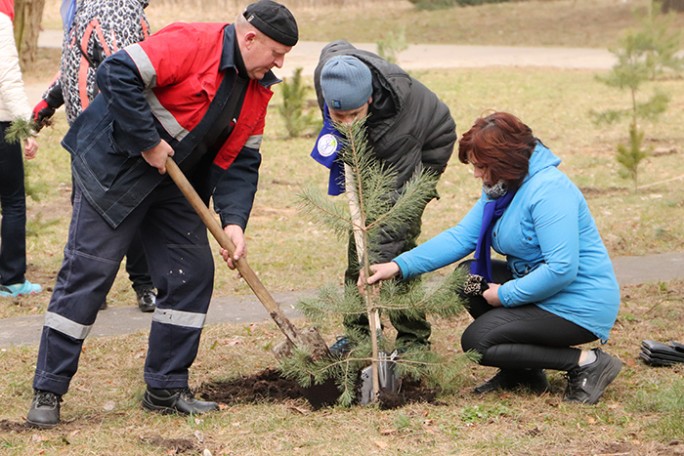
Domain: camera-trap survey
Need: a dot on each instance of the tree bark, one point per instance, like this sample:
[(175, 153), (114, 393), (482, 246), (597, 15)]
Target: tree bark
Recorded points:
[(672, 5), (28, 15)]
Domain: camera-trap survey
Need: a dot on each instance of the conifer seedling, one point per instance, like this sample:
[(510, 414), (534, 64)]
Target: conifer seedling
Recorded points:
[(381, 209)]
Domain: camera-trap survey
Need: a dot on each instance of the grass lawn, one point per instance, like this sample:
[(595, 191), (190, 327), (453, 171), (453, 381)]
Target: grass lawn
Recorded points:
[(640, 414)]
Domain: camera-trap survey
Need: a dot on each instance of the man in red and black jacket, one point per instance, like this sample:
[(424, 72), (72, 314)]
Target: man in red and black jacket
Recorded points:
[(199, 93)]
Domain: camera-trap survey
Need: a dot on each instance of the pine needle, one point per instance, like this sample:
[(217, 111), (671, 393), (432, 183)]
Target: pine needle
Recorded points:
[(19, 130)]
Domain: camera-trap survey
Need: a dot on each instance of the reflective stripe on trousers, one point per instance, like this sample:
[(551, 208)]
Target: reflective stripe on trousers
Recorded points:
[(182, 268)]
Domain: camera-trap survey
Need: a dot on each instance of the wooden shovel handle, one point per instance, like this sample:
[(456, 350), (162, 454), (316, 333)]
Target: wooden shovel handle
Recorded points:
[(224, 241)]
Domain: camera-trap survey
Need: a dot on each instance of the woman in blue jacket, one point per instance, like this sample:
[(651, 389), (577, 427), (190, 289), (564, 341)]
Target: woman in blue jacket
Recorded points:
[(556, 289)]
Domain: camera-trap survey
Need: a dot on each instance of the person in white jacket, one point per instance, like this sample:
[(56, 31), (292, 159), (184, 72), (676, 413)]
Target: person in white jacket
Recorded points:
[(13, 106)]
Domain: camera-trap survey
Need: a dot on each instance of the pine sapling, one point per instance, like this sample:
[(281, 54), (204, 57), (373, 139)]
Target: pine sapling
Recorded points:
[(376, 209), (644, 55), (299, 118)]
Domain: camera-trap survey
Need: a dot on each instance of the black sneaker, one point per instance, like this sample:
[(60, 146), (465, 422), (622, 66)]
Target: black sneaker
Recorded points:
[(177, 400), (147, 299), (533, 380), (44, 411), (586, 384), (341, 347)]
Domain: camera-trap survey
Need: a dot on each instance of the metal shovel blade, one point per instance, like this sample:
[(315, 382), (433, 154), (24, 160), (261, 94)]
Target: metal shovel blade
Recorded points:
[(390, 382)]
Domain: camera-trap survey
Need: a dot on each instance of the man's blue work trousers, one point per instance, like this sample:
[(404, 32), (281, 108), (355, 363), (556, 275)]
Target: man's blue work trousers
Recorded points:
[(182, 268)]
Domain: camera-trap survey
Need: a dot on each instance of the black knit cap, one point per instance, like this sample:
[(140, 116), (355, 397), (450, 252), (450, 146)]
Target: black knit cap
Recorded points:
[(273, 20)]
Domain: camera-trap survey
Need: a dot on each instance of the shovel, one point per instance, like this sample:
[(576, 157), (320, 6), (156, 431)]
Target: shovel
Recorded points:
[(309, 340), (381, 375)]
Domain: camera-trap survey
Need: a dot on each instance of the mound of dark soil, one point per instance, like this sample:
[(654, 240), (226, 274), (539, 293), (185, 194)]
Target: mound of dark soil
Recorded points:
[(269, 386)]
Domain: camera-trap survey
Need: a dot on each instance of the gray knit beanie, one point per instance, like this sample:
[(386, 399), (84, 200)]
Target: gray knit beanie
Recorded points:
[(346, 82)]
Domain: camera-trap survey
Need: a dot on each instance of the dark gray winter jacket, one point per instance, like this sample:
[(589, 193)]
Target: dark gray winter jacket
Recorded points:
[(408, 128)]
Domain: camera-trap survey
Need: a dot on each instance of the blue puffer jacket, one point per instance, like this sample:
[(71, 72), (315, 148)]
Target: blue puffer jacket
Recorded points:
[(551, 244)]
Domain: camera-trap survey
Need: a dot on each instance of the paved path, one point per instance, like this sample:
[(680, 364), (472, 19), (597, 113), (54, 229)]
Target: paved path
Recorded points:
[(423, 56), (416, 57), (246, 309)]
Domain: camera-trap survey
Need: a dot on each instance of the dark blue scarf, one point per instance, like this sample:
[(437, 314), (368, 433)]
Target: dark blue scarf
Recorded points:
[(493, 210)]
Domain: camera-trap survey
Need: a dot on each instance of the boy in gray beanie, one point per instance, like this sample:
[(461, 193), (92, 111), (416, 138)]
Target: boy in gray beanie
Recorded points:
[(346, 82), (407, 127)]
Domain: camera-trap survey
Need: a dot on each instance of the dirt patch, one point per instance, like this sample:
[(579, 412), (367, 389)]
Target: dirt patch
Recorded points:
[(270, 386), (264, 386), (11, 426), (172, 446)]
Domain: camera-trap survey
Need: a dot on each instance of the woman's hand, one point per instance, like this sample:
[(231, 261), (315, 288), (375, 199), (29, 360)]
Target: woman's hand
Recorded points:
[(380, 271), (236, 235), (491, 295), (30, 148)]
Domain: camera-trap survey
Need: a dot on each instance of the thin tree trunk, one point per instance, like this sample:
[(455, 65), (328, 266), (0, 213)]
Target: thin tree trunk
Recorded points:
[(28, 15), (672, 5)]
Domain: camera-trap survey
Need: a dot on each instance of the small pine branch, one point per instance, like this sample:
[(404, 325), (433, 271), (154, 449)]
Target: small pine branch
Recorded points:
[(609, 116), (345, 301), (19, 130), (373, 180), (333, 214), (416, 297), (410, 203), (631, 156), (449, 375), (653, 107)]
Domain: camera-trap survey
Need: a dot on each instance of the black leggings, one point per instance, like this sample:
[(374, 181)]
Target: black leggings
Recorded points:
[(521, 337)]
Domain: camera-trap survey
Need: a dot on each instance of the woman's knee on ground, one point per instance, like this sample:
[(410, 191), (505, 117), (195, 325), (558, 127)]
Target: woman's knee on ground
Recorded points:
[(475, 340)]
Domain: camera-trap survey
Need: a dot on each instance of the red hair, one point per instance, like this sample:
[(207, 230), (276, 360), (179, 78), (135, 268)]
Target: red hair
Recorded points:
[(501, 143)]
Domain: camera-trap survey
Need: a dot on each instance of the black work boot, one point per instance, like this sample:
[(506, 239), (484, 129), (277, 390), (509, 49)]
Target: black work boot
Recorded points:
[(147, 299), (510, 379), (44, 411), (176, 400), (586, 384)]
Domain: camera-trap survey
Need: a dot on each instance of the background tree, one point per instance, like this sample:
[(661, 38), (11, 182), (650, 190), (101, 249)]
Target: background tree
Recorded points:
[(28, 15), (296, 111), (644, 55), (391, 44), (672, 5)]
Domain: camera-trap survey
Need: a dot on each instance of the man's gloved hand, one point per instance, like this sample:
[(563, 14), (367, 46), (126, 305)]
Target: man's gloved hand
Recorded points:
[(42, 115)]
